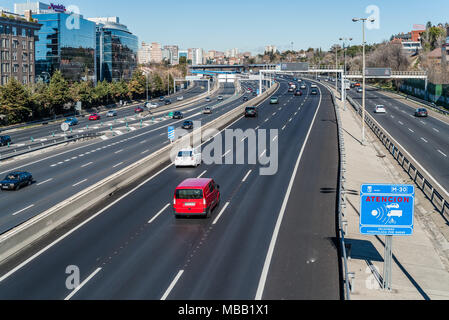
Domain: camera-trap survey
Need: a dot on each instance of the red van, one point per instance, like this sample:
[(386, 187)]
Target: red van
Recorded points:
[(196, 197)]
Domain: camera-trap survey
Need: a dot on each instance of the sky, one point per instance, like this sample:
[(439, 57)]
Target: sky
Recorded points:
[(250, 25)]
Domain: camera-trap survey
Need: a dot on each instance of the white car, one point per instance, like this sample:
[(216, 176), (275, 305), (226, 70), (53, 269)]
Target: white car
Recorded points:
[(180, 98), (359, 90), (188, 158), (380, 109), (152, 105), (313, 86)]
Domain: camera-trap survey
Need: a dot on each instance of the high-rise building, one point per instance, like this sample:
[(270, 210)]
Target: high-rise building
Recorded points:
[(144, 54), (116, 49), (197, 56), (17, 47), (183, 53), (156, 52), (270, 49), (174, 53)]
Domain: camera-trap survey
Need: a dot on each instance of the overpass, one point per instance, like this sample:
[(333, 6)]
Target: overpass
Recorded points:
[(233, 68)]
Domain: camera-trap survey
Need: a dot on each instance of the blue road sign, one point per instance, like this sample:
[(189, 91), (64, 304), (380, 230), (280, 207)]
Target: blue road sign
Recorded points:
[(171, 133), (387, 209)]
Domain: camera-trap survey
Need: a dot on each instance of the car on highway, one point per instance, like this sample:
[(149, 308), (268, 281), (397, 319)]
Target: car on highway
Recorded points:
[(16, 180), (71, 121), (357, 84), (4, 140), (94, 117), (188, 157), (152, 105), (314, 86), (208, 99), (291, 89), (250, 112), (167, 102), (220, 98), (421, 113), (245, 99), (254, 94), (161, 99), (380, 109), (207, 110), (359, 90), (314, 92), (274, 100), (303, 87), (196, 197), (178, 115), (248, 91), (298, 93), (188, 125), (111, 113), (138, 110), (180, 98), (352, 85)]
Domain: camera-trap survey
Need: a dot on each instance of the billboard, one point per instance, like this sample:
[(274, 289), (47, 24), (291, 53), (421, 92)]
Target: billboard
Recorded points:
[(300, 66), (378, 72)]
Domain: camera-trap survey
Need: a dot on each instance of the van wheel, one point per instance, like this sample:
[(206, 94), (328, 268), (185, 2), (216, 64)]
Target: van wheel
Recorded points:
[(17, 188), (207, 214)]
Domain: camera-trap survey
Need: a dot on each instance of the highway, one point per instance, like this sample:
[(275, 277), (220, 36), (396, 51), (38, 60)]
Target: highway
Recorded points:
[(272, 237), (427, 139), (63, 172)]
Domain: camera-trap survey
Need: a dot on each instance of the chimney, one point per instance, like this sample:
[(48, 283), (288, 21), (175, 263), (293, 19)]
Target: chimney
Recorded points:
[(28, 15)]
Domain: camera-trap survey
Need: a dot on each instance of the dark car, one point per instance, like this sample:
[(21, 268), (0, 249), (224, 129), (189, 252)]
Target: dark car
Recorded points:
[(167, 102), (421, 112), (4, 140), (161, 99), (254, 93), (250, 112), (298, 93), (245, 99), (314, 92), (16, 180), (187, 125), (178, 115), (352, 86)]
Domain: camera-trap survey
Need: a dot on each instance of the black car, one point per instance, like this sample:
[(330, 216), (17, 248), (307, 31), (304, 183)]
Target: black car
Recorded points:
[(245, 99), (178, 115), (250, 112), (161, 99), (254, 93), (298, 93), (167, 102), (4, 140), (16, 180), (314, 92), (421, 112), (187, 125)]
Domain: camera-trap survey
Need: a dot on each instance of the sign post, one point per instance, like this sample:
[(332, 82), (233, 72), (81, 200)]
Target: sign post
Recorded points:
[(171, 134), (387, 210)]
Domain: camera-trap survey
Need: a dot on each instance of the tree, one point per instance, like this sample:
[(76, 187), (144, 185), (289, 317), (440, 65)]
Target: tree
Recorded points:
[(137, 85), (15, 102), (58, 93)]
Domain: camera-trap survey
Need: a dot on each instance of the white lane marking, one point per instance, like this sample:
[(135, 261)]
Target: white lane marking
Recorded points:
[(118, 151), (172, 285), (148, 150), (23, 210), (257, 128), (263, 153), (423, 122), (54, 165), (424, 140), (436, 130), (82, 284), (247, 175), (283, 128), (266, 267), (41, 183), (274, 113), (221, 213), (202, 174), (275, 138), (118, 164), (226, 153), (78, 183), (410, 130), (401, 123), (266, 120), (87, 164), (442, 153), (159, 213)]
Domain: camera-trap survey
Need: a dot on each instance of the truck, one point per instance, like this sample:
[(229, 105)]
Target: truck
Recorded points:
[(347, 85)]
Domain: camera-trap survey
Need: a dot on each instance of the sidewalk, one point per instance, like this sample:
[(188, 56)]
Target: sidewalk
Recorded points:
[(420, 265)]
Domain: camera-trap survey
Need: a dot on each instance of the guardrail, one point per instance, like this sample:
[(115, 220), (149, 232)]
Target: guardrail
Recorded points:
[(437, 195), (22, 236)]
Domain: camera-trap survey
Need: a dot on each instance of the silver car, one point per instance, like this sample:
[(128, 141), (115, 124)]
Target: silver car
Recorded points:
[(207, 110), (111, 113)]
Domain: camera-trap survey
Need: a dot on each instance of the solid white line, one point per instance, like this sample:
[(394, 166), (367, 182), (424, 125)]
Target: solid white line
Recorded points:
[(220, 214), (172, 285), (76, 184), (247, 175), (23, 210), (82, 284), (202, 174), (87, 164), (159, 213), (44, 182), (442, 153), (118, 164), (266, 267)]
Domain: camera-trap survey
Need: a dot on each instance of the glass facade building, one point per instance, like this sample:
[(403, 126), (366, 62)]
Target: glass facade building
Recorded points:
[(67, 42), (117, 50)]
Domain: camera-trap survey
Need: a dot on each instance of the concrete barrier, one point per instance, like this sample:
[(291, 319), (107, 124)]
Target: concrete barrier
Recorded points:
[(24, 235)]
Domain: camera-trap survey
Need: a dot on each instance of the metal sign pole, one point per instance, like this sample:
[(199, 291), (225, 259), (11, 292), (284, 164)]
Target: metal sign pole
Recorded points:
[(388, 258)]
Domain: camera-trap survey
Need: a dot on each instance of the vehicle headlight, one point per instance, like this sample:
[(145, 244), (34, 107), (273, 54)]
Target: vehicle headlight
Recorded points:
[(11, 185)]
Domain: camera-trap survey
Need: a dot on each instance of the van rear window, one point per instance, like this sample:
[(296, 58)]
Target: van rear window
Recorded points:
[(189, 194), (184, 154)]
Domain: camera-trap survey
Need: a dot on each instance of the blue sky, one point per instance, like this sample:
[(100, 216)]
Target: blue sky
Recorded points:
[(251, 24)]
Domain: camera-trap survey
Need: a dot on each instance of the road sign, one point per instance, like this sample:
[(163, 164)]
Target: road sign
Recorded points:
[(387, 209), (378, 72), (65, 126), (171, 133), (300, 66), (78, 106)]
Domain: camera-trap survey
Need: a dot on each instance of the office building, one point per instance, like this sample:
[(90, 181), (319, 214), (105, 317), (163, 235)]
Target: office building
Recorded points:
[(156, 52), (174, 60), (116, 49), (144, 54), (17, 47)]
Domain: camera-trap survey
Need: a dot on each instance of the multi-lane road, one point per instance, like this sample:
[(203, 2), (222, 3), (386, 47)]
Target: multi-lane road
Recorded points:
[(272, 237)]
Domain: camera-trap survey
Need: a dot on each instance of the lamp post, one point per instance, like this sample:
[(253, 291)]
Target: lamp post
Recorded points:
[(363, 20), (343, 90)]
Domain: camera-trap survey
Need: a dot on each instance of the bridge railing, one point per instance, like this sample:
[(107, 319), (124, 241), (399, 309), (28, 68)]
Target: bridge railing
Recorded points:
[(393, 73)]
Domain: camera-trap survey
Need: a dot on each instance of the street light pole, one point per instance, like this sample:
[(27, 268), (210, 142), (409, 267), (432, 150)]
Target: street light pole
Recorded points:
[(343, 90), (336, 68), (363, 75)]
